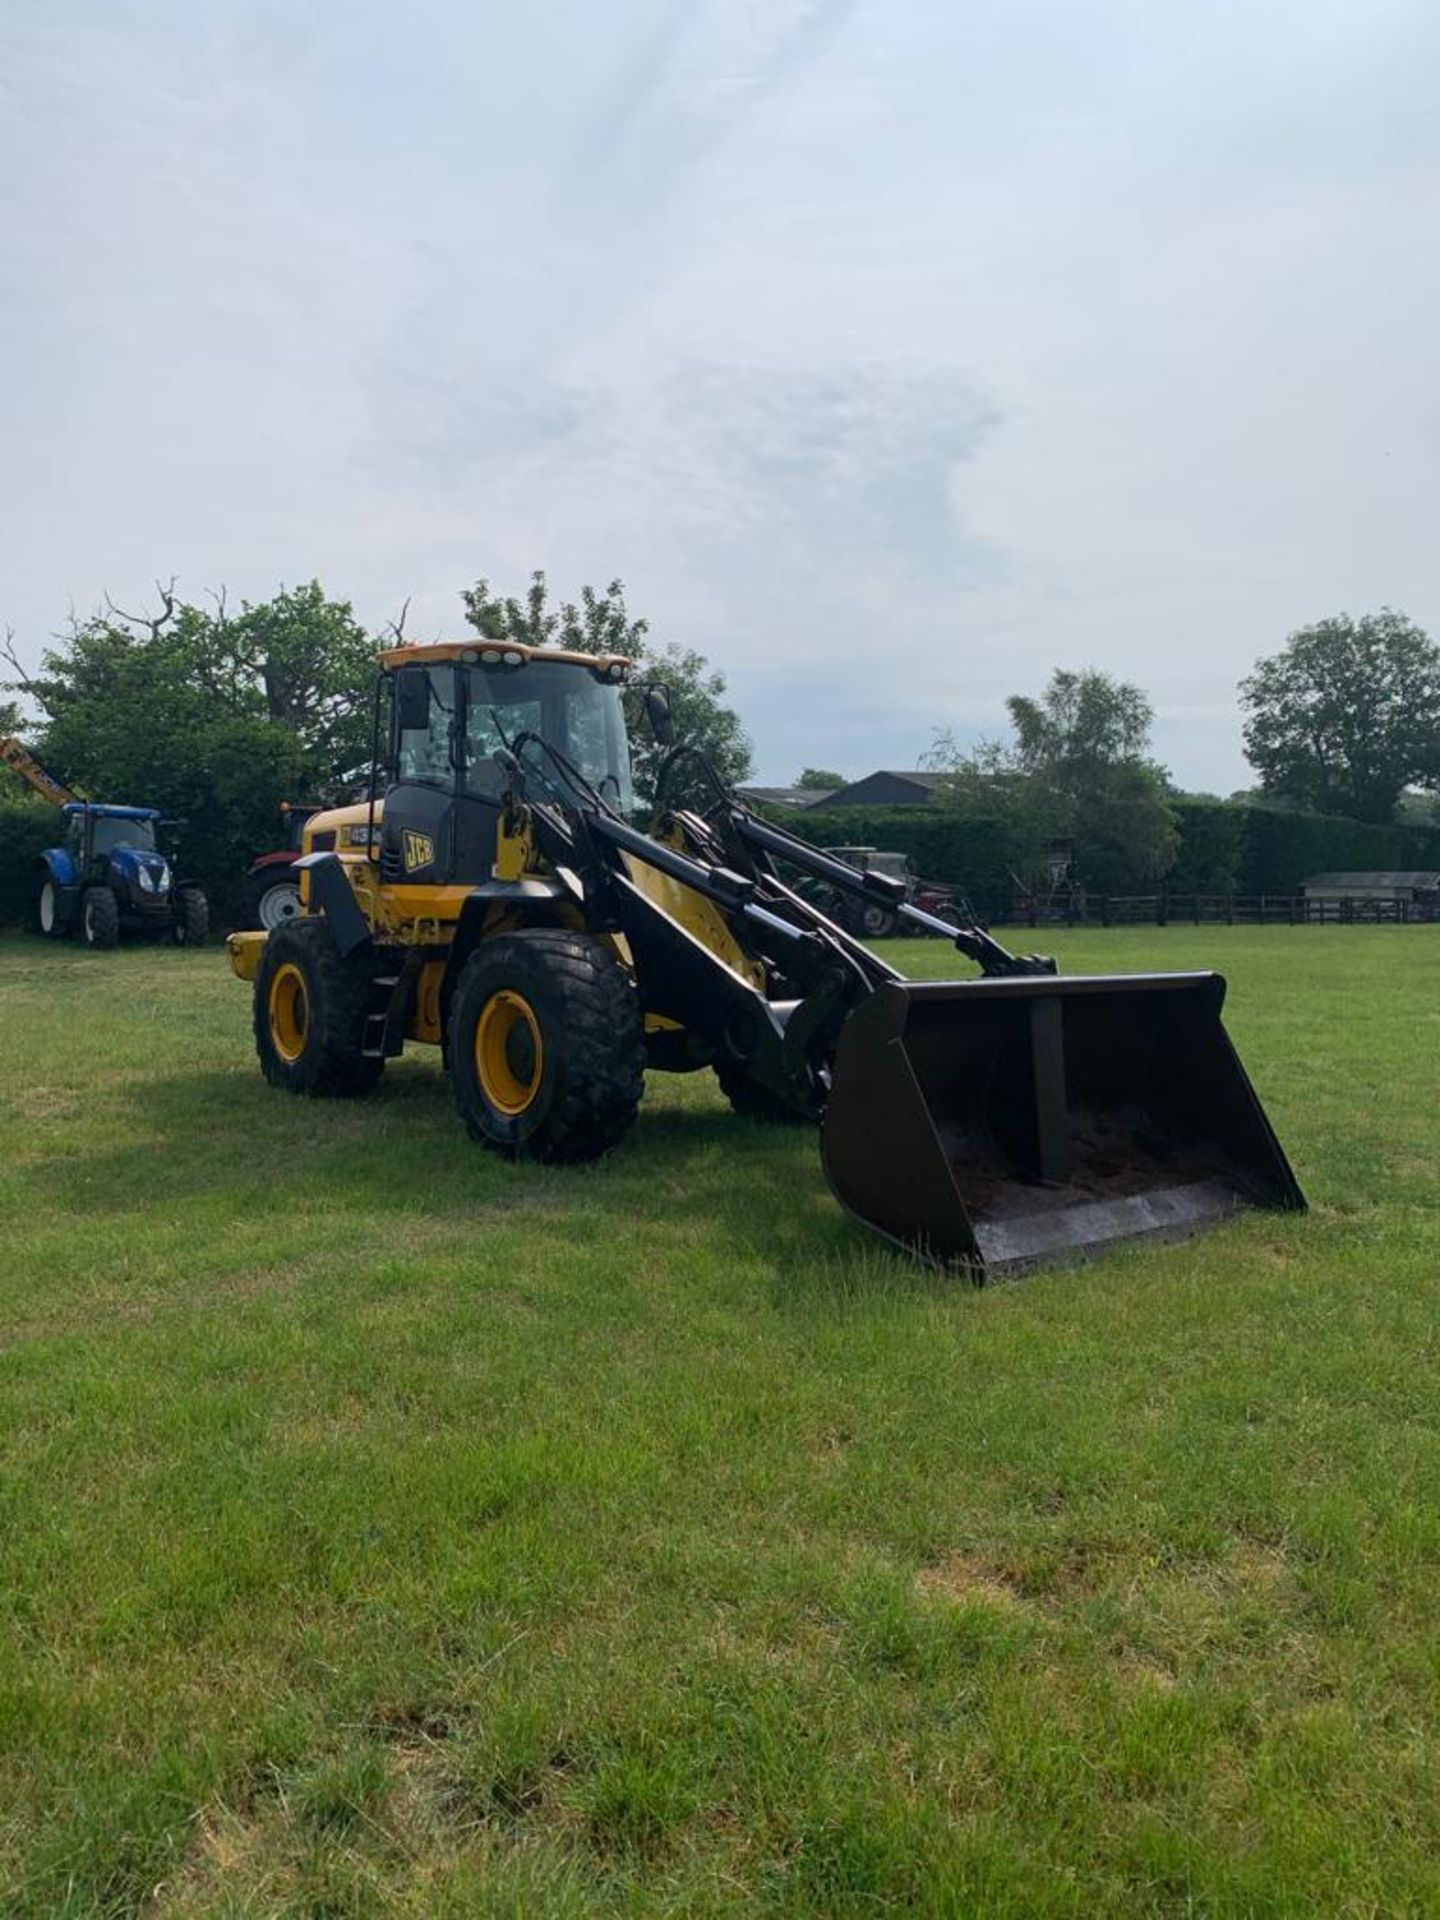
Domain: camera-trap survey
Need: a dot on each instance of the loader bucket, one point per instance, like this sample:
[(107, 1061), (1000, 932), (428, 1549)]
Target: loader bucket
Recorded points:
[(1002, 1123)]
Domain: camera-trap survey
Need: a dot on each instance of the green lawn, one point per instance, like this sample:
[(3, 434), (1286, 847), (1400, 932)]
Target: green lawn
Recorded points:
[(388, 1530)]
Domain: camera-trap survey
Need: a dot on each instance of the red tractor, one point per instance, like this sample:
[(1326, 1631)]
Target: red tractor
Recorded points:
[(874, 919), (271, 885), (272, 892)]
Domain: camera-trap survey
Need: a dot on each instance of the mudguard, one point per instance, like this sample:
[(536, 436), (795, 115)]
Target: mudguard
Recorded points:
[(57, 865), (330, 893)]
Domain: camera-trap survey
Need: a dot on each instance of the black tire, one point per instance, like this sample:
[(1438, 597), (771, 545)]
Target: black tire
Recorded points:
[(190, 918), (752, 1101), (99, 918), (546, 1046), (864, 919), (310, 1012)]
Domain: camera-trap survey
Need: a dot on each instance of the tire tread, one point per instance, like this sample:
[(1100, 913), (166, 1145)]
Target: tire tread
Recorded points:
[(602, 1064), (336, 1068)]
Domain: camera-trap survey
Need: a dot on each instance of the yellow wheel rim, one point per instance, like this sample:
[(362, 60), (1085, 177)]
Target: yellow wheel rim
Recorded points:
[(509, 1053), (289, 1012)]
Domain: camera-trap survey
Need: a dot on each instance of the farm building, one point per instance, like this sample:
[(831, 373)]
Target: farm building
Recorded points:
[(880, 789), (1399, 889), (886, 789), (787, 796)]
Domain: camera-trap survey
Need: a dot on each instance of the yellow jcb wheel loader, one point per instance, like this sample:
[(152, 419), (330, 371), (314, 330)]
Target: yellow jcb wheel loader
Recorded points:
[(493, 896)]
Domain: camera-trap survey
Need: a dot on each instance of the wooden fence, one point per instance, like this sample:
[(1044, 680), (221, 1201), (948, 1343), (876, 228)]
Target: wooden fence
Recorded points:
[(1221, 909)]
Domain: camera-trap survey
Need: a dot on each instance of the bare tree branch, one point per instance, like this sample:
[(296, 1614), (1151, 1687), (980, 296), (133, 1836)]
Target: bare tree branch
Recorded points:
[(396, 627), (9, 653), (155, 622)]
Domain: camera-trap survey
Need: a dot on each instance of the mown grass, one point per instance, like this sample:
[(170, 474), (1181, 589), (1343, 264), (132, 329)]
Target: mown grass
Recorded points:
[(387, 1530)]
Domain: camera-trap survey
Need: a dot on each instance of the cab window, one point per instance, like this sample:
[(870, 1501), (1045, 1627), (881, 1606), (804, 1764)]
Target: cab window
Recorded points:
[(423, 753)]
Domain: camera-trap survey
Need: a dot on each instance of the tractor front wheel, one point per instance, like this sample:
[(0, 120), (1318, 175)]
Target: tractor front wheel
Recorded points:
[(47, 911), (100, 918), (310, 1012), (546, 1045), (190, 918)]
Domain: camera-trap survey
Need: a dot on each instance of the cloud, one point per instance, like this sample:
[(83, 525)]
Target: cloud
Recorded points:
[(691, 84), (893, 355)]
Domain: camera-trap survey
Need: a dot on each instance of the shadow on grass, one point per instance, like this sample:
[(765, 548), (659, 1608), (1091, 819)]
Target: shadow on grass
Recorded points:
[(689, 1175)]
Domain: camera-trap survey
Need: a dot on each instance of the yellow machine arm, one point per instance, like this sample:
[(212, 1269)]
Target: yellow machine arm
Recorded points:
[(20, 761)]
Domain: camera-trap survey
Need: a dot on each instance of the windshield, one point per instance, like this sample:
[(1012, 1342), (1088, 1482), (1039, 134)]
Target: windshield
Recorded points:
[(110, 834), (568, 706)]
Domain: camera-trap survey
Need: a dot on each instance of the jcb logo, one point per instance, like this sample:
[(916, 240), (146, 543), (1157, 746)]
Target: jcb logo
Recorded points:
[(419, 850)]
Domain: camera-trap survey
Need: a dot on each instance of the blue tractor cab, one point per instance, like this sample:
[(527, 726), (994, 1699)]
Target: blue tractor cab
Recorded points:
[(110, 876)]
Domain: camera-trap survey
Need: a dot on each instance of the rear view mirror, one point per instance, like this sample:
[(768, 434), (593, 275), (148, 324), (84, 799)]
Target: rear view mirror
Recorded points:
[(412, 700), (657, 712)]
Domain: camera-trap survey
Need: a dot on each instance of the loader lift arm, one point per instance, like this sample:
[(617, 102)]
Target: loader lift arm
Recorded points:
[(994, 961), (743, 837), (20, 760)]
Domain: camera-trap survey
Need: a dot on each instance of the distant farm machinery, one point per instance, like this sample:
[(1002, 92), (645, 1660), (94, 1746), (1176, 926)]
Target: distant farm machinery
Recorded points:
[(108, 876), (876, 919)]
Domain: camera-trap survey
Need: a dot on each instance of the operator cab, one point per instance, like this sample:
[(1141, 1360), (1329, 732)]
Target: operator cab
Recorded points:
[(95, 832), (452, 710)]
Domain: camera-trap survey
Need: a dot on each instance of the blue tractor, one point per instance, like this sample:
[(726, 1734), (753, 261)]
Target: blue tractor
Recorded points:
[(110, 877)]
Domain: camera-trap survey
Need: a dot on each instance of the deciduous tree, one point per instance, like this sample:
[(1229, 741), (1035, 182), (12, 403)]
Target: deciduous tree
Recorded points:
[(602, 623), (1346, 715), (209, 715), (1078, 768)]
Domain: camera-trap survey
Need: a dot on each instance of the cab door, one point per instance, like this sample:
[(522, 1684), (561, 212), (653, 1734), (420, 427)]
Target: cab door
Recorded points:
[(442, 810)]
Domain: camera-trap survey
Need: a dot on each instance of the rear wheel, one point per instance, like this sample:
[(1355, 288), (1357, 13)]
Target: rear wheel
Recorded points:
[(873, 922), (99, 918), (191, 918), (546, 1048), (310, 1011)]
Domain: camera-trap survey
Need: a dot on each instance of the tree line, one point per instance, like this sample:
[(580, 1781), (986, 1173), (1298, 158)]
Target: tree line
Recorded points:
[(1342, 721), (216, 714)]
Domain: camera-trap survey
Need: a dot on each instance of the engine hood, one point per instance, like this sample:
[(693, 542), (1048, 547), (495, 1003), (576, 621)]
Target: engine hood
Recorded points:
[(131, 862)]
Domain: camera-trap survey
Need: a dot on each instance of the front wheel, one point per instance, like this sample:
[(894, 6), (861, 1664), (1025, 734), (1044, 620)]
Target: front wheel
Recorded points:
[(546, 1046), (190, 921), (311, 1007), (47, 911), (100, 918)]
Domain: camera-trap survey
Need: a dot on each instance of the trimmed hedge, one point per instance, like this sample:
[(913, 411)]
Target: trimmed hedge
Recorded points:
[(1225, 846), (977, 852), (1284, 849), (27, 827), (1235, 848), (1212, 848)]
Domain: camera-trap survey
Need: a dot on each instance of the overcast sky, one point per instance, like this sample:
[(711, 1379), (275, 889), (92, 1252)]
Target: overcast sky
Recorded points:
[(893, 351)]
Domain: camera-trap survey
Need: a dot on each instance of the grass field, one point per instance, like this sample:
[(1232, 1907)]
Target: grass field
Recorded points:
[(386, 1530)]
